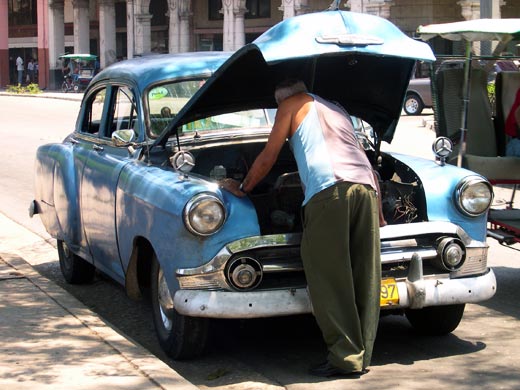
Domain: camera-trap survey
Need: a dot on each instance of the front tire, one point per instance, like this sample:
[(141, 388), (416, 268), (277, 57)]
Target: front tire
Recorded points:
[(75, 270), (180, 337), (64, 87), (436, 320), (413, 104)]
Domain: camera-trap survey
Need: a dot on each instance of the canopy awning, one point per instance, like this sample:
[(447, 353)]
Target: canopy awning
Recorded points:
[(81, 57), (503, 30)]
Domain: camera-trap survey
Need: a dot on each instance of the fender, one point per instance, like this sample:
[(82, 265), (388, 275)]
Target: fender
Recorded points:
[(56, 189)]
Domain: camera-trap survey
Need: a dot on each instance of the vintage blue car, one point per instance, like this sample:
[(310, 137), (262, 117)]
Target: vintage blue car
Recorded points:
[(134, 190)]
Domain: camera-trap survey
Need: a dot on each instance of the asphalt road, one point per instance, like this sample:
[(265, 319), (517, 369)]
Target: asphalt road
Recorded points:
[(483, 352)]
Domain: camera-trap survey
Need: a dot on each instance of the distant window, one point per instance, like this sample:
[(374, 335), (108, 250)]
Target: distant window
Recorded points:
[(256, 9), (22, 12), (158, 9), (120, 14), (214, 7)]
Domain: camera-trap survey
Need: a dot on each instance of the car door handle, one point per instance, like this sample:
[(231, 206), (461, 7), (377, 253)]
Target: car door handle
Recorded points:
[(73, 141), (98, 148)]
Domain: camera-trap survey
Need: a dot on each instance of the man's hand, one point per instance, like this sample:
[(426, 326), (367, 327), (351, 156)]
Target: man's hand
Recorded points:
[(232, 186)]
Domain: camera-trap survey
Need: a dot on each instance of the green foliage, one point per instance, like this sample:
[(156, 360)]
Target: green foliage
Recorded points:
[(492, 97), (491, 90), (32, 88)]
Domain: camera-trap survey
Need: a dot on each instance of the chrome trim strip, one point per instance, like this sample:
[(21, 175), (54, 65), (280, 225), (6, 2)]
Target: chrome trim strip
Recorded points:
[(285, 267), (476, 262), (434, 291), (256, 242), (410, 230), (392, 238), (406, 255)]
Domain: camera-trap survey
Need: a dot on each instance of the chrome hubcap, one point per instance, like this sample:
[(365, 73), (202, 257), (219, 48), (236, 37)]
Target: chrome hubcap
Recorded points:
[(412, 105), (165, 301)]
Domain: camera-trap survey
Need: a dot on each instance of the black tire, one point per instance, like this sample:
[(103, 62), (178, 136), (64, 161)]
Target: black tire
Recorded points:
[(75, 270), (75, 87), (413, 105), (179, 336), (436, 320), (64, 87)]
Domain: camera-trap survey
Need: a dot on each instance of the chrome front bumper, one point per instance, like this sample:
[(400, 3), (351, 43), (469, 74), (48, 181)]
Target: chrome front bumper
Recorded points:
[(423, 292)]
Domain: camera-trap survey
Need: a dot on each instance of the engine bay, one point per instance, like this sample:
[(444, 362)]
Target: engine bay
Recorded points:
[(278, 198)]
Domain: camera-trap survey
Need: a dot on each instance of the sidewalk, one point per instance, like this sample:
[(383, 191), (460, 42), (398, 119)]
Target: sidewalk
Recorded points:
[(50, 340), (47, 94)]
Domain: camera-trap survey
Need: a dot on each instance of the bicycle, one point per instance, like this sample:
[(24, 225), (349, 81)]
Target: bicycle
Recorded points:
[(69, 85)]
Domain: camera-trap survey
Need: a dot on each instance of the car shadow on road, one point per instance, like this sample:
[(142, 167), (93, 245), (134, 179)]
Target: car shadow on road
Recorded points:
[(282, 349)]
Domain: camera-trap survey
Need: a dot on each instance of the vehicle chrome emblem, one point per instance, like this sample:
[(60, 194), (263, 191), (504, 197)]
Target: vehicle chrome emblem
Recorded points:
[(182, 161), (442, 148)]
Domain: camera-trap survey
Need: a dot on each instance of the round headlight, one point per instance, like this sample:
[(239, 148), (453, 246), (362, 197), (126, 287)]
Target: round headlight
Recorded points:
[(204, 214), (474, 195)]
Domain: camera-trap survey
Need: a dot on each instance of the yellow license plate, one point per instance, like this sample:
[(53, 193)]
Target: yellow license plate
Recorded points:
[(389, 292)]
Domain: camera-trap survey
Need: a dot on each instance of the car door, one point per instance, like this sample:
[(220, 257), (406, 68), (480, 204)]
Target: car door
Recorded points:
[(101, 173)]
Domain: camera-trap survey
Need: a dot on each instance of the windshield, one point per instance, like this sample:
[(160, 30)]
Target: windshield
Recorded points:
[(166, 100)]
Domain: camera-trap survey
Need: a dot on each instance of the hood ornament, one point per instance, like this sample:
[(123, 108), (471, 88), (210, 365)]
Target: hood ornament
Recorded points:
[(442, 148)]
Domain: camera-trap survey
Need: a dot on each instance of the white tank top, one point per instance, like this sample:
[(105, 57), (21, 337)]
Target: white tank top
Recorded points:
[(327, 151)]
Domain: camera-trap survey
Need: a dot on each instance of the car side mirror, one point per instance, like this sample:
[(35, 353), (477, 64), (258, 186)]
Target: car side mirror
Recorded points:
[(123, 137)]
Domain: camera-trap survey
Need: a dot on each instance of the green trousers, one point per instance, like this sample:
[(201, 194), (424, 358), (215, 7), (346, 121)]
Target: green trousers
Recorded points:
[(341, 258)]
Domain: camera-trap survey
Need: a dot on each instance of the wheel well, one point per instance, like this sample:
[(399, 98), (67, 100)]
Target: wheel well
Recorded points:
[(413, 93), (139, 269)]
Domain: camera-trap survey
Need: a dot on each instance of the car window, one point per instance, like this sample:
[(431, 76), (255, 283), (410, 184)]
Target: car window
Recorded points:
[(233, 120), (166, 100), (124, 113), (94, 112)]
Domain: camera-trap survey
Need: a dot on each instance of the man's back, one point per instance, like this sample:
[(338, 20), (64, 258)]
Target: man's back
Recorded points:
[(325, 147)]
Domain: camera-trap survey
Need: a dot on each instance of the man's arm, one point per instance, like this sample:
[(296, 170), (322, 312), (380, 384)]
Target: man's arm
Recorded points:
[(267, 157)]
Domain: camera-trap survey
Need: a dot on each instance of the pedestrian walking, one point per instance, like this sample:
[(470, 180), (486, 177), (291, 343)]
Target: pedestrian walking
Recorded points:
[(20, 69), (340, 246), (30, 71)]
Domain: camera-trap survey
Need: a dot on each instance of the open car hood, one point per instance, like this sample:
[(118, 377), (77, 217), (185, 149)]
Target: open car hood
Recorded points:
[(361, 61)]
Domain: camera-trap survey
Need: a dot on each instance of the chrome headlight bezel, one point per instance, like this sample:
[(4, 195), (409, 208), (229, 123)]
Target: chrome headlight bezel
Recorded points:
[(194, 220), (473, 195)]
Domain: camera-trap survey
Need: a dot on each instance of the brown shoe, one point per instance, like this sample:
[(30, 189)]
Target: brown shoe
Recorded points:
[(326, 369)]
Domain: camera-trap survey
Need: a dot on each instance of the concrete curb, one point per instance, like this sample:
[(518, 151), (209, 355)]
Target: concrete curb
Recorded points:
[(143, 363), (48, 95)]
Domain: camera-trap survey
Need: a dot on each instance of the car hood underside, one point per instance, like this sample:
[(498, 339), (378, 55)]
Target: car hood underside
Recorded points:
[(360, 61)]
